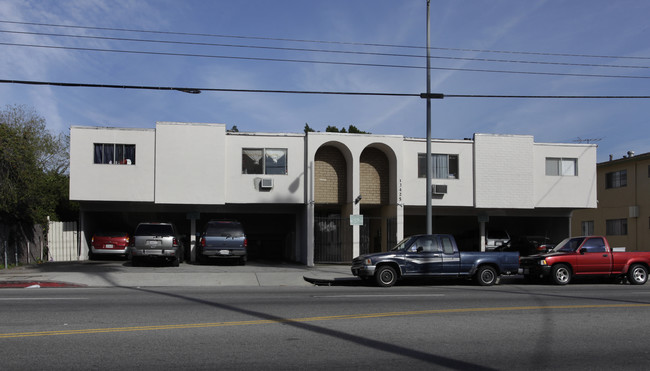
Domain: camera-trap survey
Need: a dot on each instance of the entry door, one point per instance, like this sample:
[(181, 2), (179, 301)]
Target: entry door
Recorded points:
[(596, 259), (424, 256)]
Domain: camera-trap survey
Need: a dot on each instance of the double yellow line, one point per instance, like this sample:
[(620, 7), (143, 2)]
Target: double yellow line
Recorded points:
[(309, 319)]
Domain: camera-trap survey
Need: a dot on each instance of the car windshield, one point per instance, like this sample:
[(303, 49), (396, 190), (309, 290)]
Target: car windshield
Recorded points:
[(229, 229), (569, 245), (403, 244), (111, 234), (498, 235), (154, 230)]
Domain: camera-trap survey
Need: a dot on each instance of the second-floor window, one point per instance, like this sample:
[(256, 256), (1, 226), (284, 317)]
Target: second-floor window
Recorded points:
[(443, 166), (616, 227), (113, 153), (561, 166), (587, 228), (616, 179), (264, 161)]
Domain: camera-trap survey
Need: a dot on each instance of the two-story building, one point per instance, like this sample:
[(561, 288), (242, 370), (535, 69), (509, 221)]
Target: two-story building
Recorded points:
[(623, 213), (325, 197)]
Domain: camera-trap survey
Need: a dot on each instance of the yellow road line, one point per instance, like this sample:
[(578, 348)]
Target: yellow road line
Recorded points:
[(310, 319)]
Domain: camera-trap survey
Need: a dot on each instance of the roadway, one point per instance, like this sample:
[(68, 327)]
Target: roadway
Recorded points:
[(445, 325)]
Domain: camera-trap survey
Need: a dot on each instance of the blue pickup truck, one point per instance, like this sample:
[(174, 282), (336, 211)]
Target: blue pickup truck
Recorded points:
[(434, 255)]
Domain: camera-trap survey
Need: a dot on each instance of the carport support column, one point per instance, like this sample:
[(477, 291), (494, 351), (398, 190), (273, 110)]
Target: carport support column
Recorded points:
[(193, 240), (482, 234)]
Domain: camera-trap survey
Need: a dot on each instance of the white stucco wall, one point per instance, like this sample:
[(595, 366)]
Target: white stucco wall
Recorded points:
[(244, 188), (460, 192), (565, 191), (107, 182), (190, 163), (181, 163), (504, 171)]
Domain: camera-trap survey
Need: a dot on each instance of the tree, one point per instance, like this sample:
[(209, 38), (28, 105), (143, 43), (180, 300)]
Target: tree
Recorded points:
[(234, 129), (308, 129), (353, 130), (332, 129), (33, 169)]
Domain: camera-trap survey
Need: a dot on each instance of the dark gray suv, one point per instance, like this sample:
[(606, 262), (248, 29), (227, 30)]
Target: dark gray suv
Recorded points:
[(222, 239), (156, 241)]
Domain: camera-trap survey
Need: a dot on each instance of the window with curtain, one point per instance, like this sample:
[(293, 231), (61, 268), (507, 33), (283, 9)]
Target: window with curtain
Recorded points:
[(111, 153), (444, 166), (561, 166), (616, 179), (264, 161), (616, 227)]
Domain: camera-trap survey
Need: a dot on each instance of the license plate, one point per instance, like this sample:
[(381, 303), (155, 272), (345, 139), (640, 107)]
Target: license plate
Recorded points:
[(224, 252), (152, 252), (526, 271), (153, 242), (108, 246)]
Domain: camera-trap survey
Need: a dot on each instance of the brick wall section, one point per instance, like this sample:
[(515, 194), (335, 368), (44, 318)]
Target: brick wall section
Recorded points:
[(374, 177), (330, 176)]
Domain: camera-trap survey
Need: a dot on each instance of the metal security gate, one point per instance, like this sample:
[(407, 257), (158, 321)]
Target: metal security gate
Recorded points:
[(332, 240)]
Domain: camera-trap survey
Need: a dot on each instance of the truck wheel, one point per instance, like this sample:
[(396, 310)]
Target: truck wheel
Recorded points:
[(637, 274), (561, 274), (486, 276), (386, 276)]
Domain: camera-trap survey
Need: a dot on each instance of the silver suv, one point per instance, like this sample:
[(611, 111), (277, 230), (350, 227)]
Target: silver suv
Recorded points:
[(223, 239), (156, 241)]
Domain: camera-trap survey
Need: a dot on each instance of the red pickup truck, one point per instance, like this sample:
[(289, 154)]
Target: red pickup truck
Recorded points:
[(586, 256)]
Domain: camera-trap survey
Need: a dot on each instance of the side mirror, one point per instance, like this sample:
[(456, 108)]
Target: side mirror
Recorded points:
[(420, 248), (583, 250)]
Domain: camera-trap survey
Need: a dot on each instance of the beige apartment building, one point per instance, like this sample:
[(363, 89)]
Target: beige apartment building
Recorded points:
[(623, 212)]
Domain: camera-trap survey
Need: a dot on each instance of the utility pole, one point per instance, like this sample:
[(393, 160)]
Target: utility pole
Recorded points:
[(429, 162)]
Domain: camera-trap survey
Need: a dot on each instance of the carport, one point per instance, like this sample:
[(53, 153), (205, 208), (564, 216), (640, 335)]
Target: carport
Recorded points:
[(271, 231)]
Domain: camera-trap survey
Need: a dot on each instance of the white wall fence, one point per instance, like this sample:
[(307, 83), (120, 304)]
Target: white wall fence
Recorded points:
[(63, 241)]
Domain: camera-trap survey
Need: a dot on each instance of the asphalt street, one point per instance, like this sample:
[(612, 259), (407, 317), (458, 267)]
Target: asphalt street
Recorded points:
[(450, 325)]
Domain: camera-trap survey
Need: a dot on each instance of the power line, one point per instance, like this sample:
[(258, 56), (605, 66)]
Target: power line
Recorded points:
[(324, 41), (193, 43), (324, 62), (194, 90)]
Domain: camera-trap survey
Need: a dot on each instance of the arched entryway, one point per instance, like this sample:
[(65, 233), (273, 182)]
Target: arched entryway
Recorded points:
[(332, 230), (374, 184)]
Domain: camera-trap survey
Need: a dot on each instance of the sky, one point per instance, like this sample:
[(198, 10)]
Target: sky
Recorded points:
[(501, 48)]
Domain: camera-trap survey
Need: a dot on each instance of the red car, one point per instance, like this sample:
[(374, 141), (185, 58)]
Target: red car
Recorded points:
[(109, 243)]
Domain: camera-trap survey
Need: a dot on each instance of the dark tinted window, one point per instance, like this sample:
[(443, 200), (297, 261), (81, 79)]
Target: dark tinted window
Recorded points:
[(231, 229), (154, 230), (110, 234)]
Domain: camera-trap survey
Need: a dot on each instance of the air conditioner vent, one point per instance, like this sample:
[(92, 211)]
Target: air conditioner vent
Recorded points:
[(266, 183), (439, 189)]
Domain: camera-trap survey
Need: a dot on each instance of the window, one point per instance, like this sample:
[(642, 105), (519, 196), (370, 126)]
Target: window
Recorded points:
[(616, 227), (594, 245), (264, 161), (587, 228), (447, 245), (616, 179), (443, 166), (425, 244), (561, 166), (111, 153)]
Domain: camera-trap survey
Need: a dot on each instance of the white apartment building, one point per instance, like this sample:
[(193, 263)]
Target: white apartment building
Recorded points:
[(325, 197)]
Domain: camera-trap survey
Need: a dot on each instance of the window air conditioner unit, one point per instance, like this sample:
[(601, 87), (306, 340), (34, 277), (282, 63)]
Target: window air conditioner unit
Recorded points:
[(439, 189), (266, 183)]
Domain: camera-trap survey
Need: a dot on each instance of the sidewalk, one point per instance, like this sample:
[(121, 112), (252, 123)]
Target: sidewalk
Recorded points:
[(106, 273)]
